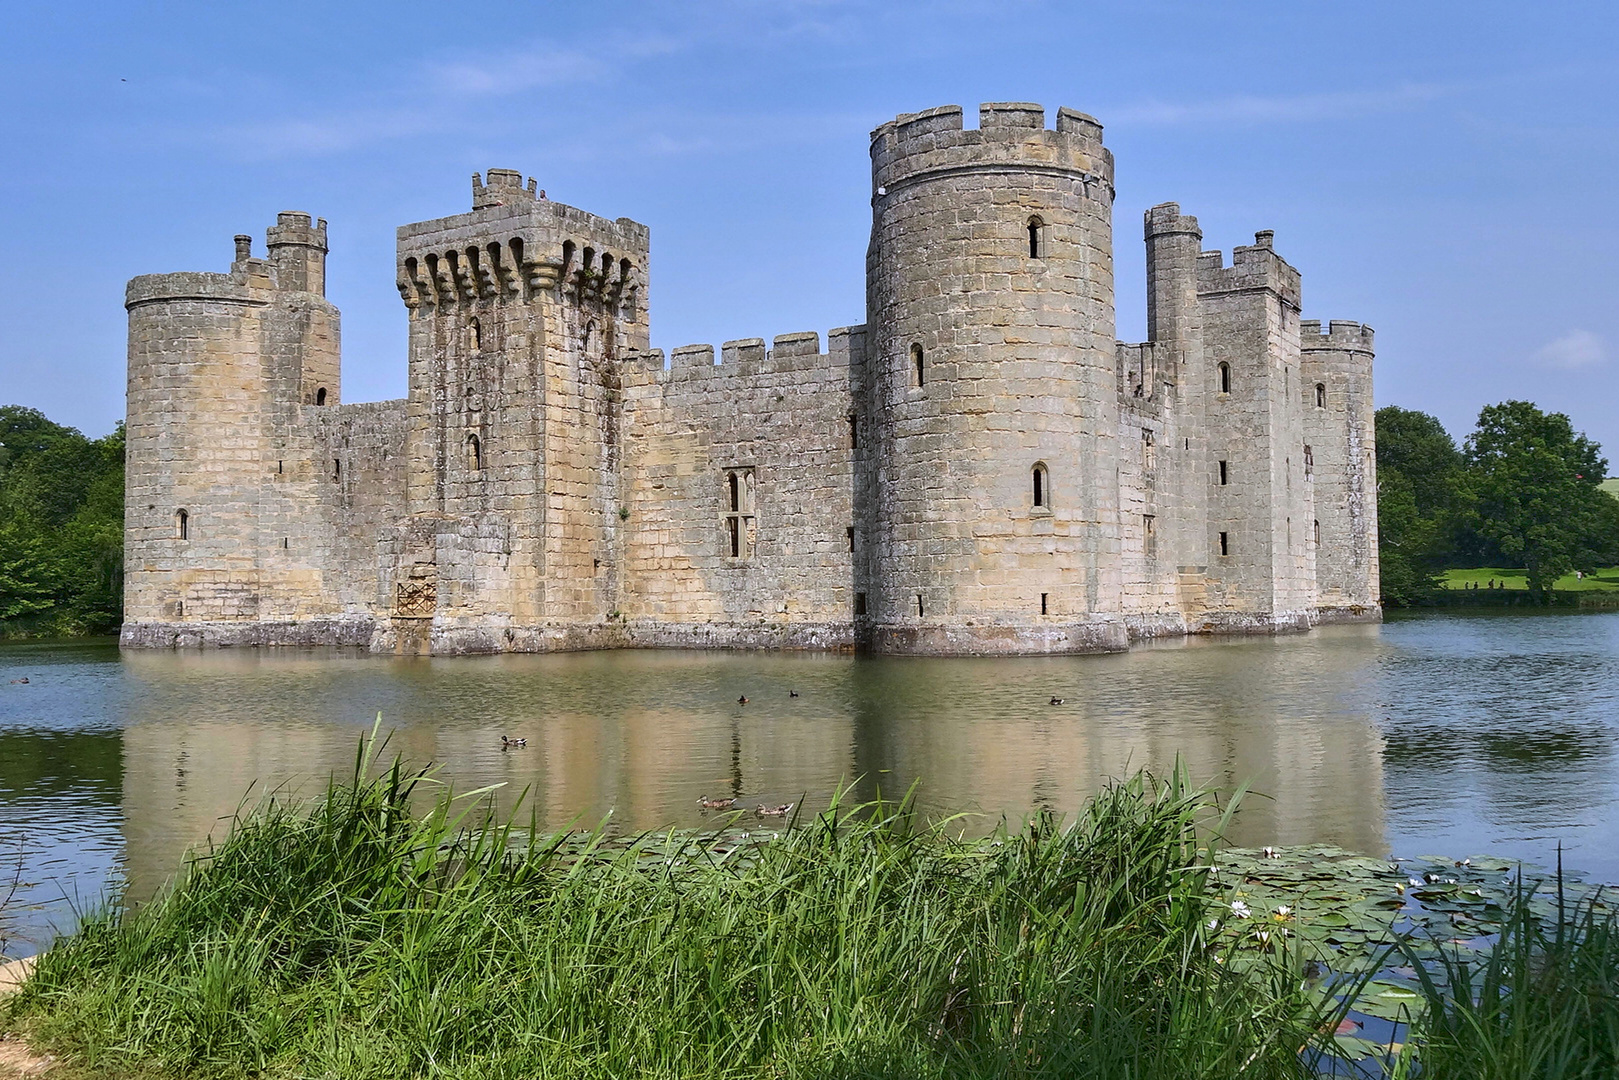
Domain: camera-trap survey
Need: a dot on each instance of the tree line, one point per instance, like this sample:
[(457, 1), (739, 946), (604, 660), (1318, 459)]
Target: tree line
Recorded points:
[(1521, 491), (61, 527)]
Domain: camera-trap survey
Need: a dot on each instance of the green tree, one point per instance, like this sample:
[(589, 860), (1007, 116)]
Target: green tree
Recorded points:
[(61, 526), (1534, 491), (1420, 494)]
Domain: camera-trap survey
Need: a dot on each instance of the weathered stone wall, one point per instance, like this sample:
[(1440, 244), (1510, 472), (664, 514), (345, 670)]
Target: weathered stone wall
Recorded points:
[(1339, 422), (738, 482), (981, 468), (991, 363)]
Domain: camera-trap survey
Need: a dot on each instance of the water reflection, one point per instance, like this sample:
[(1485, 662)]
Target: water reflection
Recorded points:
[(1452, 735)]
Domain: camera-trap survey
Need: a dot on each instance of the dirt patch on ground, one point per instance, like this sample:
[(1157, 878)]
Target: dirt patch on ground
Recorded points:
[(16, 1059)]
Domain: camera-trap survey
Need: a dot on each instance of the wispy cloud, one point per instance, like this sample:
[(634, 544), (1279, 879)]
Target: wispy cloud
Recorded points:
[(1573, 351), (1291, 108)]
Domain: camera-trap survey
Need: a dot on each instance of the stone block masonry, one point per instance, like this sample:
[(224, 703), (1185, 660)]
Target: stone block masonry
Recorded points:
[(978, 468)]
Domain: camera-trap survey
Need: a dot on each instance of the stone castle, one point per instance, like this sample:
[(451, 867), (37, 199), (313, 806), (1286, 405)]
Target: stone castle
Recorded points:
[(979, 468)]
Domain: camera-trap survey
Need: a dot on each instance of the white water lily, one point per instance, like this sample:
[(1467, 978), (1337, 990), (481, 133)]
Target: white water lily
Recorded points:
[(1283, 912), (1214, 924), (1240, 909)]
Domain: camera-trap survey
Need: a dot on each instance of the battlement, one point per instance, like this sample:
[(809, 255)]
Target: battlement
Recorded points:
[(845, 346), (915, 145), (501, 187), (1339, 335), (1254, 267)]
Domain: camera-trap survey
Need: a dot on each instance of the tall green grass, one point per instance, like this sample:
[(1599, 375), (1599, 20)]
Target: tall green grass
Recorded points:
[(1542, 1004), (363, 937)]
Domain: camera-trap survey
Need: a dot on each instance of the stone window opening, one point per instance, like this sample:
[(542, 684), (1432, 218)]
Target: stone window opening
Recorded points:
[(182, 525), (567, 257), (337, 468), (590, 332), (850, 532), (474, 452), (1149, 450), (320, 396), (854, 432), (1225, 377), (1036, 228), (474, 335), (1225, 544), (859, 603), (1309, 461), (280, 467), (1315, 532), (916, 364), (920, 611), (1225, 474), (179, 609), (1320, 395), (1042, 486), (1287, 471), (1149, 532), (1044, 607), (740, 527)]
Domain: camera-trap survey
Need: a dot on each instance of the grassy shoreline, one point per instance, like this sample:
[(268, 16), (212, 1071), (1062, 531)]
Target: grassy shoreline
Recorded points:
[(366, 937)]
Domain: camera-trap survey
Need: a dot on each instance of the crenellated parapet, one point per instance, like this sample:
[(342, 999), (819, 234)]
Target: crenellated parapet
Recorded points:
[(745, 358), (1254, 268), (1340, 335), (916, 146)]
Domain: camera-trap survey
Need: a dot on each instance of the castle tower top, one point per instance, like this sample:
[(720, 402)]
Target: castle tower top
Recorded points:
[(497, 187), (1009, 135), (297, 251)]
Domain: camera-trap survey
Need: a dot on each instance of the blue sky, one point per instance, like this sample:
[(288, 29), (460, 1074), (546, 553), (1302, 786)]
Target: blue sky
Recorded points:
[(1441, 171)]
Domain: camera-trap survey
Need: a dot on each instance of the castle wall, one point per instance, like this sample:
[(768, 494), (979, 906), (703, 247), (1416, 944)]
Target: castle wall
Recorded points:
[(1264, 578), (1339, 422), (738, 479), (981, 468), (991, 270)]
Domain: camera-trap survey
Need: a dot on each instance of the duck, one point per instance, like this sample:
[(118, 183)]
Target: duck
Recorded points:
[(774, 811), (716, 804), (792, 693), (507, 743), (743, 700), (1057, 700), (24, 679)]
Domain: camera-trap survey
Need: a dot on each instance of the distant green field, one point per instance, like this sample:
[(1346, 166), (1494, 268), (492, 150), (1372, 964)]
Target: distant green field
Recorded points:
[(1602, 581), (1611, 486)]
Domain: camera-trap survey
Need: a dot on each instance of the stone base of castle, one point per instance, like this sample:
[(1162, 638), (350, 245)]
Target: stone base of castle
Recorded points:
[(426, 636)]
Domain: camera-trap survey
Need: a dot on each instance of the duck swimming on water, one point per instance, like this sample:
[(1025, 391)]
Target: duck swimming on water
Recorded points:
[(508, 744), (1056, 701), (743, 700), (715, 804), (774, 811)]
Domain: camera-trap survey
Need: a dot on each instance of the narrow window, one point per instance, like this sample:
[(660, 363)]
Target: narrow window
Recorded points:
[(1149, 530), (179, 608), (1320, 395), (1042, 497), (1225, 544), (916, 363), (590, 331), (736, 495), (850, 531), (1149, 451), (1035, 250), (1225, 377), (859, 603), (734, 526), (320, 396), (854, 432), (474, 453), (182, 525), (474, 335), (1043, 603), (1223, 474), (279, 467), (337, 468), (919, 604), (1315, 533), (1309, 461)]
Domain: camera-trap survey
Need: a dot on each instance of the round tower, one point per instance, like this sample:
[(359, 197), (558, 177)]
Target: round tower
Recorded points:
[(991, 382)]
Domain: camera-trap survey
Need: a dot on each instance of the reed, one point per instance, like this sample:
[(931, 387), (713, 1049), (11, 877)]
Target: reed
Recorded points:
[(366, 936)]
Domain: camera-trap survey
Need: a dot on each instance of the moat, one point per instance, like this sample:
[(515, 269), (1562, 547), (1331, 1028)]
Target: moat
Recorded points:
[(1427, 735)]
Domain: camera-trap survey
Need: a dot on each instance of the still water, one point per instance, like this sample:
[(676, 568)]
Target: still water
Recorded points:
[(1448, 735)]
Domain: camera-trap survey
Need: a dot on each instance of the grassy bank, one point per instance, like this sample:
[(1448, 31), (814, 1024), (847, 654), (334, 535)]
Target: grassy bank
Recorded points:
[(1517, 580), (364, 937)]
